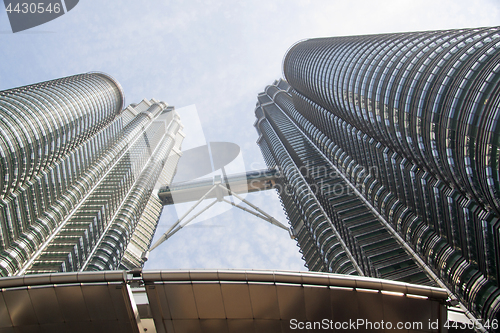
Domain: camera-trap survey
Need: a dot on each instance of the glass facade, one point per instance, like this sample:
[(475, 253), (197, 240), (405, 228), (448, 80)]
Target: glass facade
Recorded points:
[(77, 171), (410, 123)]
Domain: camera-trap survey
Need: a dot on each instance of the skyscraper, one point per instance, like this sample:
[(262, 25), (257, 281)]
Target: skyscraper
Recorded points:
[(389, 149), (77, 171)]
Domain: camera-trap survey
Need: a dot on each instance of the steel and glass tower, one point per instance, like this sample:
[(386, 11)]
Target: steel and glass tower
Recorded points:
[(77, 171), (389, 146)]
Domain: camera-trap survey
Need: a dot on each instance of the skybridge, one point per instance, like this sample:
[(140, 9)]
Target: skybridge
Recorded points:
[(252, 181), (218, 188)]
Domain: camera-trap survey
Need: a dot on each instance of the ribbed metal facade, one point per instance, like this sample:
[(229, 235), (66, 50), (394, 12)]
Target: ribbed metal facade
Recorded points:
[(411, 121), (76, 174), (337, 232)]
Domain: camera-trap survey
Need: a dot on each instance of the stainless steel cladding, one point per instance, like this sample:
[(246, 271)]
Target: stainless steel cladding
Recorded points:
[(410, 121), (77, 170)]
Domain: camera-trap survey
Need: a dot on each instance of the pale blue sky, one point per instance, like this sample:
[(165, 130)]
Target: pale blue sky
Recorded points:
[(216, 55)]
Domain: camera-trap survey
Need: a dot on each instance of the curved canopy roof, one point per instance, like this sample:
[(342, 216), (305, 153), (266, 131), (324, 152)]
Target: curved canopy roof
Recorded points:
[(210, 301)]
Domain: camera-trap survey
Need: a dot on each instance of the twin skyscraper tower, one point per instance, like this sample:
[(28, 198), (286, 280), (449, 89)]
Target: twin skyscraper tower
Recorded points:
[(391, 144), (77, 172), (388, 148)]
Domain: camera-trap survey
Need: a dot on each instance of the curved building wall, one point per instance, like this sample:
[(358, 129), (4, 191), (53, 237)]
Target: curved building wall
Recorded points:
[(159, 139), (95, 235), (79, 171), (341, 228), (41, 123), (412, 121), (52, 132), (423, 95)]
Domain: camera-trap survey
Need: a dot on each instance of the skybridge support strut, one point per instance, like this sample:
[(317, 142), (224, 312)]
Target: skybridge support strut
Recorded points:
[(219, 191)]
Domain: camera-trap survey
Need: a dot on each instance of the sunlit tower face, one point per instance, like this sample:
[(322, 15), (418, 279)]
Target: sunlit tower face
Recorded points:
[(77, 173), (410, 123)]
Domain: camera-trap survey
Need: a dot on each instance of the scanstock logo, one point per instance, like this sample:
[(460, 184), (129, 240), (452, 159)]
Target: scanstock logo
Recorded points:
[(204, 160), (26, 14)]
